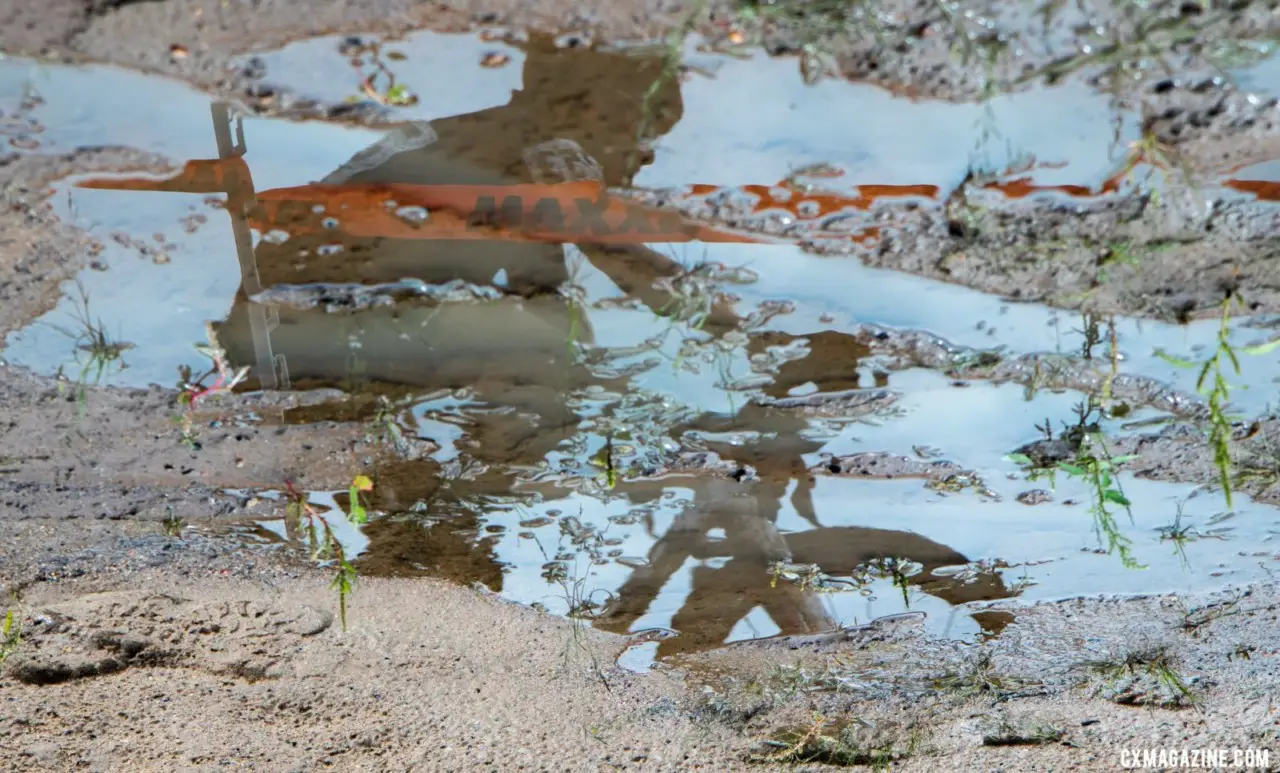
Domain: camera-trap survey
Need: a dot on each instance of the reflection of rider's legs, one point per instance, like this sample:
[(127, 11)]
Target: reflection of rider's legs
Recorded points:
[(751, 540), (722, 597)]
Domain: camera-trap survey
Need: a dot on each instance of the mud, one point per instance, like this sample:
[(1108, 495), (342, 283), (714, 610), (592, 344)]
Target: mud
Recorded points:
[(825, 422), (406, 686)]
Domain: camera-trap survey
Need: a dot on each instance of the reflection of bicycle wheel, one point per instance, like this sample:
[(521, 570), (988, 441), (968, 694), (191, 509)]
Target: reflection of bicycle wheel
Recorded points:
[(561, 161)]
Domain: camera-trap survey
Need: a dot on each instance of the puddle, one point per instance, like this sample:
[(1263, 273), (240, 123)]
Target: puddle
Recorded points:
[(546, 388)]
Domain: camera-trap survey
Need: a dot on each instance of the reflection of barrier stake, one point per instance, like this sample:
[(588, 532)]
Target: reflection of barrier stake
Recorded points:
[(240, 202)]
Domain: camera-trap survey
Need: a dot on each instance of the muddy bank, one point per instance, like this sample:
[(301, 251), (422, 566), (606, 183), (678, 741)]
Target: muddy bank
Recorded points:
[(57, 439), (221, 655), (1194, 663), (1179, 453), (1170, 253), (406, 687)]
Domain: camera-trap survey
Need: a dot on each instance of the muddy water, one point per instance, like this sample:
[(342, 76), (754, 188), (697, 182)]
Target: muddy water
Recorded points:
[(548, 396)]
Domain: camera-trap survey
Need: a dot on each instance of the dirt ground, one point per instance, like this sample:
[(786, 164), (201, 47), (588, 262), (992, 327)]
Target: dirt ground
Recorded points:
[(146, 650)]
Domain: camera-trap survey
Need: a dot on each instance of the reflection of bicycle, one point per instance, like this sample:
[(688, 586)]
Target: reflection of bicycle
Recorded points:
[(509, 351), (734, 572)]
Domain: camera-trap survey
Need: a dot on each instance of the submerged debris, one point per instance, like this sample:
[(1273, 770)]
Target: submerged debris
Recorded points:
[(333, 297)]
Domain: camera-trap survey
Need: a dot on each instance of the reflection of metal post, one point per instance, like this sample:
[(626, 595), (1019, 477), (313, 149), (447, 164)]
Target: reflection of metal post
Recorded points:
[(240, 200)]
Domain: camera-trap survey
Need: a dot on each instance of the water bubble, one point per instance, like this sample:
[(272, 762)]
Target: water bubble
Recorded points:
[(808, 209), (329, 249), (329, 222), (275, 236)]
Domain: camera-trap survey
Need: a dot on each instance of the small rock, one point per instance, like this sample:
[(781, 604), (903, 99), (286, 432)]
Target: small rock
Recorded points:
[(1035, 496), (312, 621)]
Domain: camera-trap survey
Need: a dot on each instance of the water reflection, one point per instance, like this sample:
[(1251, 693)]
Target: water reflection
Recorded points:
[(494, 325), (514, 351)]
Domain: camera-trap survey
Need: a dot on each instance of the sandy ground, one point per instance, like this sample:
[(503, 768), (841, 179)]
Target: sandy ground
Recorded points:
[(146, 651), (256, 673)]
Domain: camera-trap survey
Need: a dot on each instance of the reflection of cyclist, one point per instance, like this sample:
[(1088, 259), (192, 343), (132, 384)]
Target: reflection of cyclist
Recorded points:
[(513, 354), (722, 595)]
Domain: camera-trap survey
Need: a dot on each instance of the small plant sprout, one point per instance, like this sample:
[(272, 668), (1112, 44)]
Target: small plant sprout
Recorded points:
[(604, 460), (393, 94), (1123, 677), (95, 351), (1212, 383), (978, 677), (321, 539), (1180, 534), (843, 742), (192, 390), (1094, 466), (10, 634), (173, 524)]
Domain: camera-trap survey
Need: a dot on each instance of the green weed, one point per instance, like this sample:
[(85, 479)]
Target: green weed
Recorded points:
[(10, 635), (1149, 43), (95, 351), (580, 604), (1212, 383), (322, 541), (191, 390), (672, 56), (979, 678), (384, 426), (1180, 534), (1094, 465), (173, 524), (1124, 676), (842, 742)]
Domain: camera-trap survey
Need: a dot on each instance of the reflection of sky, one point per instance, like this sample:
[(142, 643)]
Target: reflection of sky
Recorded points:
[(440, 69), (1263, 78), (732, 124), (1267, 170)]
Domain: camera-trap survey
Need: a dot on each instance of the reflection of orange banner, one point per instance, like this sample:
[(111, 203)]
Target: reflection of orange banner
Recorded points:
[(559, 212), (581, 212), (1263, 190), (571, 212)]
